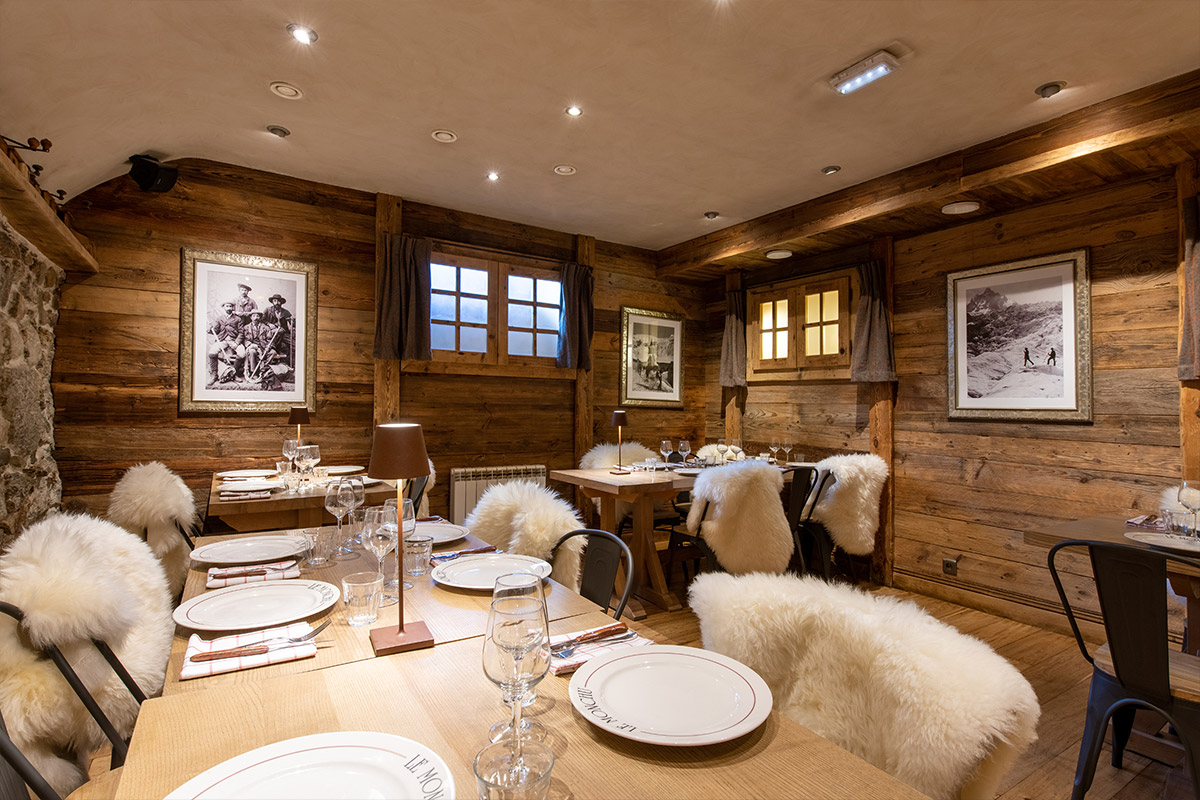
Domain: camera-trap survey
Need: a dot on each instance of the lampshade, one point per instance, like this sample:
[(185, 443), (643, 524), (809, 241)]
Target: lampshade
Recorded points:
[(618, 418), (298, 416), (398, 451)]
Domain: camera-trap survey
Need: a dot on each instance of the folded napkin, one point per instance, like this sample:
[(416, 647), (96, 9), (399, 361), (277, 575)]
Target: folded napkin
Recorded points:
[(585, 652), (282, 651), (230, 495), (232, 576)]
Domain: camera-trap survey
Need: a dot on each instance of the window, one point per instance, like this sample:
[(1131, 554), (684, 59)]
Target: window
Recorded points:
[(797, 326), (458, 308), (770, 341), (825, 327), (533, 306)]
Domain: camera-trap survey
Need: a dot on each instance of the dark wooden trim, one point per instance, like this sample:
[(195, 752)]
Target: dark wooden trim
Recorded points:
[(1187, 178), (882, 399), (388, 219)]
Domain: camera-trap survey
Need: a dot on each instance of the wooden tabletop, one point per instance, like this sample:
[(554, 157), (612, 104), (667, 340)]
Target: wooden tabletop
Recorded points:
[(299, 509), (625, 485), (441, 698), (451, 614)]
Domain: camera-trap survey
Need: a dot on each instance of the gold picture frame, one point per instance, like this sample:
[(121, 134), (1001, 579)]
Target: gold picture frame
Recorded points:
[(651, 358)]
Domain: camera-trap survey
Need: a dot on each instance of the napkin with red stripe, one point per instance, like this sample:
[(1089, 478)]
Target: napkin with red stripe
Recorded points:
[(587, 651), (280, 652), (232, 576)]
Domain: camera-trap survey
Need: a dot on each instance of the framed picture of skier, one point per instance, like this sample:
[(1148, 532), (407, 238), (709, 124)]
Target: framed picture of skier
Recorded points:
[(247, 333), (651, 358), (1020, 340)]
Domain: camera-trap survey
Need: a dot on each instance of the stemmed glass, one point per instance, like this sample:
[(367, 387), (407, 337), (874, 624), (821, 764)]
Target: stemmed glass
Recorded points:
[(358, 496), (722, 448), (1189, 498), (407, 517), (308, 456), (337, 502), (664, 447), (685, 447), (786, 447), (380, 539), (289, 450), (516, 652), (736, 444), (774, 448), (519, 584)]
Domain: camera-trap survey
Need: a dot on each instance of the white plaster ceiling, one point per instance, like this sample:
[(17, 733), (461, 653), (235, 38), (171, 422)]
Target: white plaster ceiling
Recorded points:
[(689, 105)]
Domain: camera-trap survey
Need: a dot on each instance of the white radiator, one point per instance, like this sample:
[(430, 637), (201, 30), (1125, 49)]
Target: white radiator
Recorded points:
[(467, 484)]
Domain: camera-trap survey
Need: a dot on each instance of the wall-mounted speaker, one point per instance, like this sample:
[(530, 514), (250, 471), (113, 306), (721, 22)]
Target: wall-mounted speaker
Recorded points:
[(152, 176)]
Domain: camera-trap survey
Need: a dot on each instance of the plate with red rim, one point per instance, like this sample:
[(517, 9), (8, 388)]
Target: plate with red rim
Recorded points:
[(252, 606), (1167, 541), (343, 470), (247, 473)]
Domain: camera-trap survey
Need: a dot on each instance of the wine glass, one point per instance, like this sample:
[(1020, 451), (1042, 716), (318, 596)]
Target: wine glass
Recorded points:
[(736, 449), (519, 584), (516, 652), (1189, 498), (336, 503), (685, 447), (289, 449), (664, 447), (380, 539), (722, 448), (358, 496), (786, 447), (774, 448)]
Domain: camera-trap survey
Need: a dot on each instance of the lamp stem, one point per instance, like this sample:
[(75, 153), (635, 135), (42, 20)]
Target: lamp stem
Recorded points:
[(400, 551), (297, 434), (619, 465)]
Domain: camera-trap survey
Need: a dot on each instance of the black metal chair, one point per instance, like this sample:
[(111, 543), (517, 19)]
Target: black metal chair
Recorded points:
[(690, 547), (414, 490), (814, 545), (604, 554), (16, 772), (1135, 667)]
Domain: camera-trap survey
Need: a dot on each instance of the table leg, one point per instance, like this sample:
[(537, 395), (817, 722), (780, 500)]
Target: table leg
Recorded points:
[(608, 522), (649, 580)]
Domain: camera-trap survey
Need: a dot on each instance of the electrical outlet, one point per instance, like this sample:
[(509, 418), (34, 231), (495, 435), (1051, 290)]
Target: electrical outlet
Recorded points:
[(950, 566)]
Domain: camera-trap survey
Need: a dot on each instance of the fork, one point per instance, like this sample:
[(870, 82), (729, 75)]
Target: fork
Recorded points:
[(259, 648), (567, 652)]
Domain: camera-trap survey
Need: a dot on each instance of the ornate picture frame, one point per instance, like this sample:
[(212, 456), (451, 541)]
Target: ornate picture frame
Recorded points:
[(1020, 344), (247, 333), (651, 358)]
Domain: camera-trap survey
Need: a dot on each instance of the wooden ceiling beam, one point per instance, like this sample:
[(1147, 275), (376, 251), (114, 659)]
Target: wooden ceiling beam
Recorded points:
[(29, 213), (1153, 111)]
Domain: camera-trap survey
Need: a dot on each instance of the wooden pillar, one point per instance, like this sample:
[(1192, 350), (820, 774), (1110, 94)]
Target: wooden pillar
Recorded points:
[(733, 398), (585, 254), (387, 372), (882, 398), (1187, 177)]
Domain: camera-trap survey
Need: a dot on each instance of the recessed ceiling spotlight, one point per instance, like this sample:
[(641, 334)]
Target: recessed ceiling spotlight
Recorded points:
[(1048, 90), (302, 33), (711, 214), (961, 207), (493, 176), (564, 169), (573, 111), (443, 135), (286, 90), (279, 131), (832, 169), (869, 70), (778, 255)]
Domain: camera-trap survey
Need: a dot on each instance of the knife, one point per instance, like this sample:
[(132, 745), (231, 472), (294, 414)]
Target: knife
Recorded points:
[(491, 548), (237, 572), (590, 636), (245, 650)]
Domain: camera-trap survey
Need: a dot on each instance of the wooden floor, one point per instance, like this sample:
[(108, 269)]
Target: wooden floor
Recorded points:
[(1059, 674)]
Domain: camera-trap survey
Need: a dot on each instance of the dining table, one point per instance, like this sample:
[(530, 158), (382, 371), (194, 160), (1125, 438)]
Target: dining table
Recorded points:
[(304, 508)]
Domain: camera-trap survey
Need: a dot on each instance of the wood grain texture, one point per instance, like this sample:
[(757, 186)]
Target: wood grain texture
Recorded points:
[(1188, 180)]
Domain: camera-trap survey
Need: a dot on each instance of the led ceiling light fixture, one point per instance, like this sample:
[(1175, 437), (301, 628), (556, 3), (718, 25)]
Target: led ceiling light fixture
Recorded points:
[(573, 111), (779, 255), (443, 135), (564, 169), (711, 214), (493, 176), (832, 169), (1048, 90), (286, 90), (961, 207), (869, 70), (302, 33)]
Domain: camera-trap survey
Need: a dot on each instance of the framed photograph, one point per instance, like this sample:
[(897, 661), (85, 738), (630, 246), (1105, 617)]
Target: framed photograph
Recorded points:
[(1020, 340), (651, 358), (247, 331)]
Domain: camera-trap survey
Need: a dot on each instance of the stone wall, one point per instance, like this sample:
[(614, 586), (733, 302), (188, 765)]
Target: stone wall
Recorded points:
[(29, 481)]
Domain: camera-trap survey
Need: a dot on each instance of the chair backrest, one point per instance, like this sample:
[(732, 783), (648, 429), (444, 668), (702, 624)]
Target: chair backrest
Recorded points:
[(604, 554), (1131, 584), (849, 509), (674, 457), (415, 490), (737, 510), (16, 772)]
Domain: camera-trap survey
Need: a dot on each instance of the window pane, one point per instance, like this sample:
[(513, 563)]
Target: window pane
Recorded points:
[(473, 340), (520, 343), (781, 318), (829, 303), (812, 341), (548, 292), (830, 335), (547, 318), (766, 316), (520, 316), (520, 288), (443, 277), (441, 306), (812, 308), (474, 281), (441, 337), (474, 309), (547, 344), (766, 345), (781, 344)]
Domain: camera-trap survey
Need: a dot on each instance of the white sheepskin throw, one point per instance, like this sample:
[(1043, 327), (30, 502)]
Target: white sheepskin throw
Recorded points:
[(149, 501), (849, 508), (744, 523), (76, 578), (1170, 500), (522, 517), (935, 708)]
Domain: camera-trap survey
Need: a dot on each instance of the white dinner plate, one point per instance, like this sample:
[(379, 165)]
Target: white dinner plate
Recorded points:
[(246, 473), (480, 571), (690, 472), (800, 464), (346, 470), (249, 606), (324, 765), (249, 486), (249, 550), (442, 532), (1167, 541), (664, 694)]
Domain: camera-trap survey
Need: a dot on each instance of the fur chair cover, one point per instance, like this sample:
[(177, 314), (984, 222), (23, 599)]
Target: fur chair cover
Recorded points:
[(849, 508), (522, 517), (604, 456), (77, 578), (1170, 499), (149, 501), (935, 708), (744, 523)]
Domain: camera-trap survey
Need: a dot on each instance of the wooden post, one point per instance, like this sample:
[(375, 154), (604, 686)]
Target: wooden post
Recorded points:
[(733, 398), (1187, 178), (585, 254), (387, 372), (882, 397)]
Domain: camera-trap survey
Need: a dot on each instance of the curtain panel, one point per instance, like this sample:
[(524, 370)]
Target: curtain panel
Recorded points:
[(402, 300), (575, 318), (733, 342), (872, 359), (1189, 335)]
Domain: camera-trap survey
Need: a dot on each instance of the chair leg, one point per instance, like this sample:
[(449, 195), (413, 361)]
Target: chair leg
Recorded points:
[(1100, 700), (1122, 722)]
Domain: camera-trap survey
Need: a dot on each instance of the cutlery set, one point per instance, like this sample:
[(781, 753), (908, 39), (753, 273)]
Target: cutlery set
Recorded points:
[(259, 648), (439, 557)]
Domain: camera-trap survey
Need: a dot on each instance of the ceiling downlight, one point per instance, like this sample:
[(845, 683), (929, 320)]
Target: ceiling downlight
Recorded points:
[(286, 90)]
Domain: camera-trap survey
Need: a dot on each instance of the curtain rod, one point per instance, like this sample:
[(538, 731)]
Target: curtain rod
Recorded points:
[(497, 251)]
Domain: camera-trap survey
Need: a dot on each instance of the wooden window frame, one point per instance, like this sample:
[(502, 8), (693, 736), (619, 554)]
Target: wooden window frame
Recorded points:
[(800, 293), (802, 368), (493, 323), (537, 274), (756, 298)]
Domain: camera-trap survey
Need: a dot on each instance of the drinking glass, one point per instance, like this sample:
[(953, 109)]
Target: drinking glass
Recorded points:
[(519, 584), (336, 504), (664, 447), (500, 774), (774, 448), (308, 456), (1189, 498), (685, 447), (736, 449), (379, 538), (356, 496), (516, 652), (361, 592), (289, 449), (722, 448), (786, 447)]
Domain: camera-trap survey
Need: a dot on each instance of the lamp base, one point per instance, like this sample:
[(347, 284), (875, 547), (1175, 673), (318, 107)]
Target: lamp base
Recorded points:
[(619, 471), (415, 636)]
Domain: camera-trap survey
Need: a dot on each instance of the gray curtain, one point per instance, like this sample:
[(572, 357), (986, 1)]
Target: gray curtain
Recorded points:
[(872, 360), (1189, 336), (402, 301), (575, 317), (733, 343)]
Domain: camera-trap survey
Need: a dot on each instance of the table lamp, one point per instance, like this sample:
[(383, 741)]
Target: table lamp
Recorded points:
[(298, 416), (398, 453), (619, 421)]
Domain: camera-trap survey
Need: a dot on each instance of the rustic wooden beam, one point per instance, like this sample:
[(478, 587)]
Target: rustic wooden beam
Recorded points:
[(882, 398), (1164, 108), (1187, 177), (27, 211), (388, 218)]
